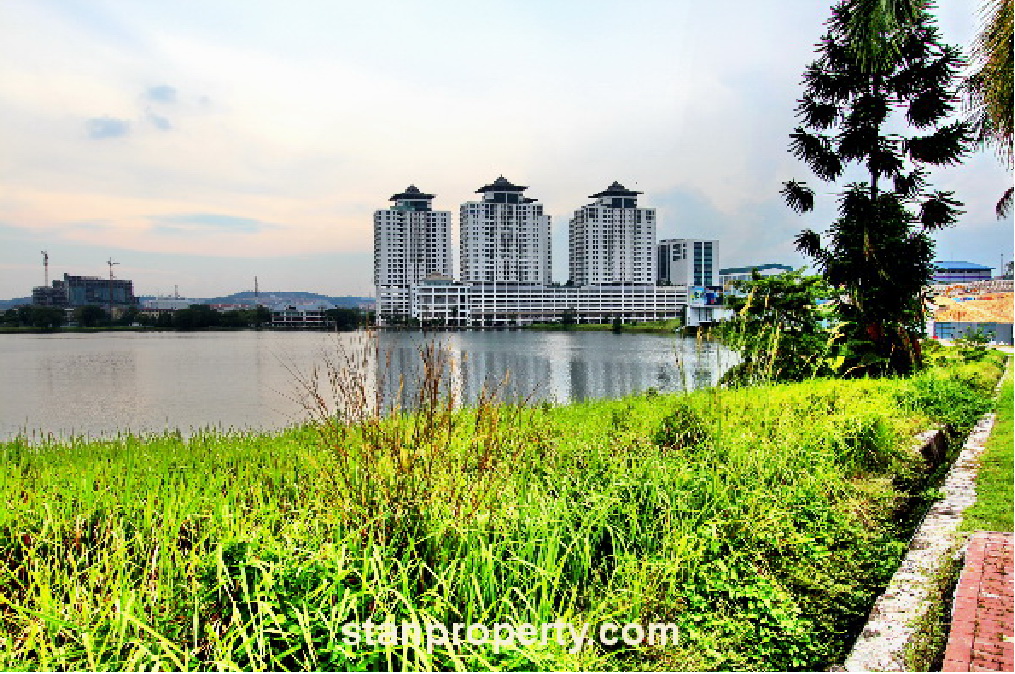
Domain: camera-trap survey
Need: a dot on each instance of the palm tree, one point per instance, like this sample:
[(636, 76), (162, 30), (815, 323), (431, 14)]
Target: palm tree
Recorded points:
[(879, 252), (989, 88), (876, 29)]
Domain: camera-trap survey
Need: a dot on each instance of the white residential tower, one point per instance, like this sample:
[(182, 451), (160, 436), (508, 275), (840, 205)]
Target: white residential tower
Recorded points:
[(411, 242), (612, 240), (505, 238)]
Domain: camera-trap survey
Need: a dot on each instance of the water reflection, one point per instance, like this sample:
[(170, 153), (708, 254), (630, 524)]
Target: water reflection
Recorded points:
[(558, 367), (104, 384)]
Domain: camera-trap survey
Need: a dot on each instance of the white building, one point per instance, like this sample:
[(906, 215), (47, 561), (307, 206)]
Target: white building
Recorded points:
[(411, 242), (445, 303), (505, 238), (730, 274), (688, 262), (612, 240), (302, 317)]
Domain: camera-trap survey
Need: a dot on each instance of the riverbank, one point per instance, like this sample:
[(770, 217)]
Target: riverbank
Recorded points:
[(5, 330), (666, 327), (761, 522)]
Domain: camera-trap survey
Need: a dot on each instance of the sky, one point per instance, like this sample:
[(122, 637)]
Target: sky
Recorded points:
[(201, 143)]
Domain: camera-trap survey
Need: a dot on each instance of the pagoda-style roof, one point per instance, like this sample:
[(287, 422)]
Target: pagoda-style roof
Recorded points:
[(501, 184), (411, 193), (615, 190)]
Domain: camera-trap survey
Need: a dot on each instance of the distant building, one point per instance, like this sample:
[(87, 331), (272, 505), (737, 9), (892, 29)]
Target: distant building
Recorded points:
[(688, 262), (612, 240), (505, 255), (79, 291), (951, 272), (305, 317), (50, 296), (998, 333), (505, 238), (411, 242), (161, 305), (445, 303), (730, 274)]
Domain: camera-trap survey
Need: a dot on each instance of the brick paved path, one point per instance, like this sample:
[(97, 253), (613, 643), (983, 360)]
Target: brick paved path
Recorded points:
[(983, 615)]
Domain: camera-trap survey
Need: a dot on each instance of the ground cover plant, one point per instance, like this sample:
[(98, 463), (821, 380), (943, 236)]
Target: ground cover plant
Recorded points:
[(762, 521), (994, 499)]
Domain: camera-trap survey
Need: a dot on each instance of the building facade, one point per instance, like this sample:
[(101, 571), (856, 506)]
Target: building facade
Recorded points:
[(79, 291), (411, 242), (687, 261), (445, 303), (730, 274), (612, 240), (505, 264), (998, 333), (504, 238), (300, 318), (952, 272)]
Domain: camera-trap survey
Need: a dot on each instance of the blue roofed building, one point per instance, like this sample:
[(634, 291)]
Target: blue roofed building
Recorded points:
[(947, 272)]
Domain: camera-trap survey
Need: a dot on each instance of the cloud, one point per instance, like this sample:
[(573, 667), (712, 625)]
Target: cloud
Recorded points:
[(161, 94), (196, 223), (99, 128), (159, 122), (758, 232)]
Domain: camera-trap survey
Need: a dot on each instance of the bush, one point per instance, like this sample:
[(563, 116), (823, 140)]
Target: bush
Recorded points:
[(681, 428)]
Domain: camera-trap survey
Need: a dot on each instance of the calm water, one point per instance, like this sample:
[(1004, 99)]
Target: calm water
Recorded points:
[(102, 384)]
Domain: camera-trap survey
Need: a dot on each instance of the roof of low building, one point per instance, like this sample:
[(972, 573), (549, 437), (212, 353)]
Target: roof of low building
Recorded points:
[(411, 193), (990, 308), (959, 264), (501, 184), (757, 267), (615, 190)]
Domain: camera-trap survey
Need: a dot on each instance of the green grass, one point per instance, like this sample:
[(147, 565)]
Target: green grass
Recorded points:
[(762, 521), (994, 483)]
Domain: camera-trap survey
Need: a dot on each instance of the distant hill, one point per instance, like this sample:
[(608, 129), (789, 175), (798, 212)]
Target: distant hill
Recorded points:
[(247, 297), (16, 302)]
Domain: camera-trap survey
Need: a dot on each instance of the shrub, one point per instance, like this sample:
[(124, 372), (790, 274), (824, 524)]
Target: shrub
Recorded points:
[(682, 428)]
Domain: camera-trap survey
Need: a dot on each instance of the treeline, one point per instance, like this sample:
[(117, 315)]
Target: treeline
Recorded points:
[(195, 317)]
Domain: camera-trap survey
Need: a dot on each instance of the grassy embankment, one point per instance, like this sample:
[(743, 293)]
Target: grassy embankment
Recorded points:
[(994, 493), (762, 521), (664, 327)]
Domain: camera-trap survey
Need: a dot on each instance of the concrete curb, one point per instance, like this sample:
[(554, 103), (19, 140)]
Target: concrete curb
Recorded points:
[(891, 625)]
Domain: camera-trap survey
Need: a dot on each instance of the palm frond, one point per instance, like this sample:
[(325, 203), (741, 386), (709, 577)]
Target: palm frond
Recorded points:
[(940, 210), (816, 150), (798, 196), (1003, 208), (947, 145)]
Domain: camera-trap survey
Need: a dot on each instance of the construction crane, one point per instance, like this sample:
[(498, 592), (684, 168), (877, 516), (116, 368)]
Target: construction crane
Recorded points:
[(110, 298)]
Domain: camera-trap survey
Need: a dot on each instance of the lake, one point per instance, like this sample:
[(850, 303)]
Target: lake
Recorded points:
[(102, 384)]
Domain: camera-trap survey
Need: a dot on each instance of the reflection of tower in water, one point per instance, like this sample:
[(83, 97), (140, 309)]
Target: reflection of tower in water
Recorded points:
[(512, 368)]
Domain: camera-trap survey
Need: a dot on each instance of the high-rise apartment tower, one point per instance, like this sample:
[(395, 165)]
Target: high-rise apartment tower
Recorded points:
[(505, 238), (411, 240), (612, 240)]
